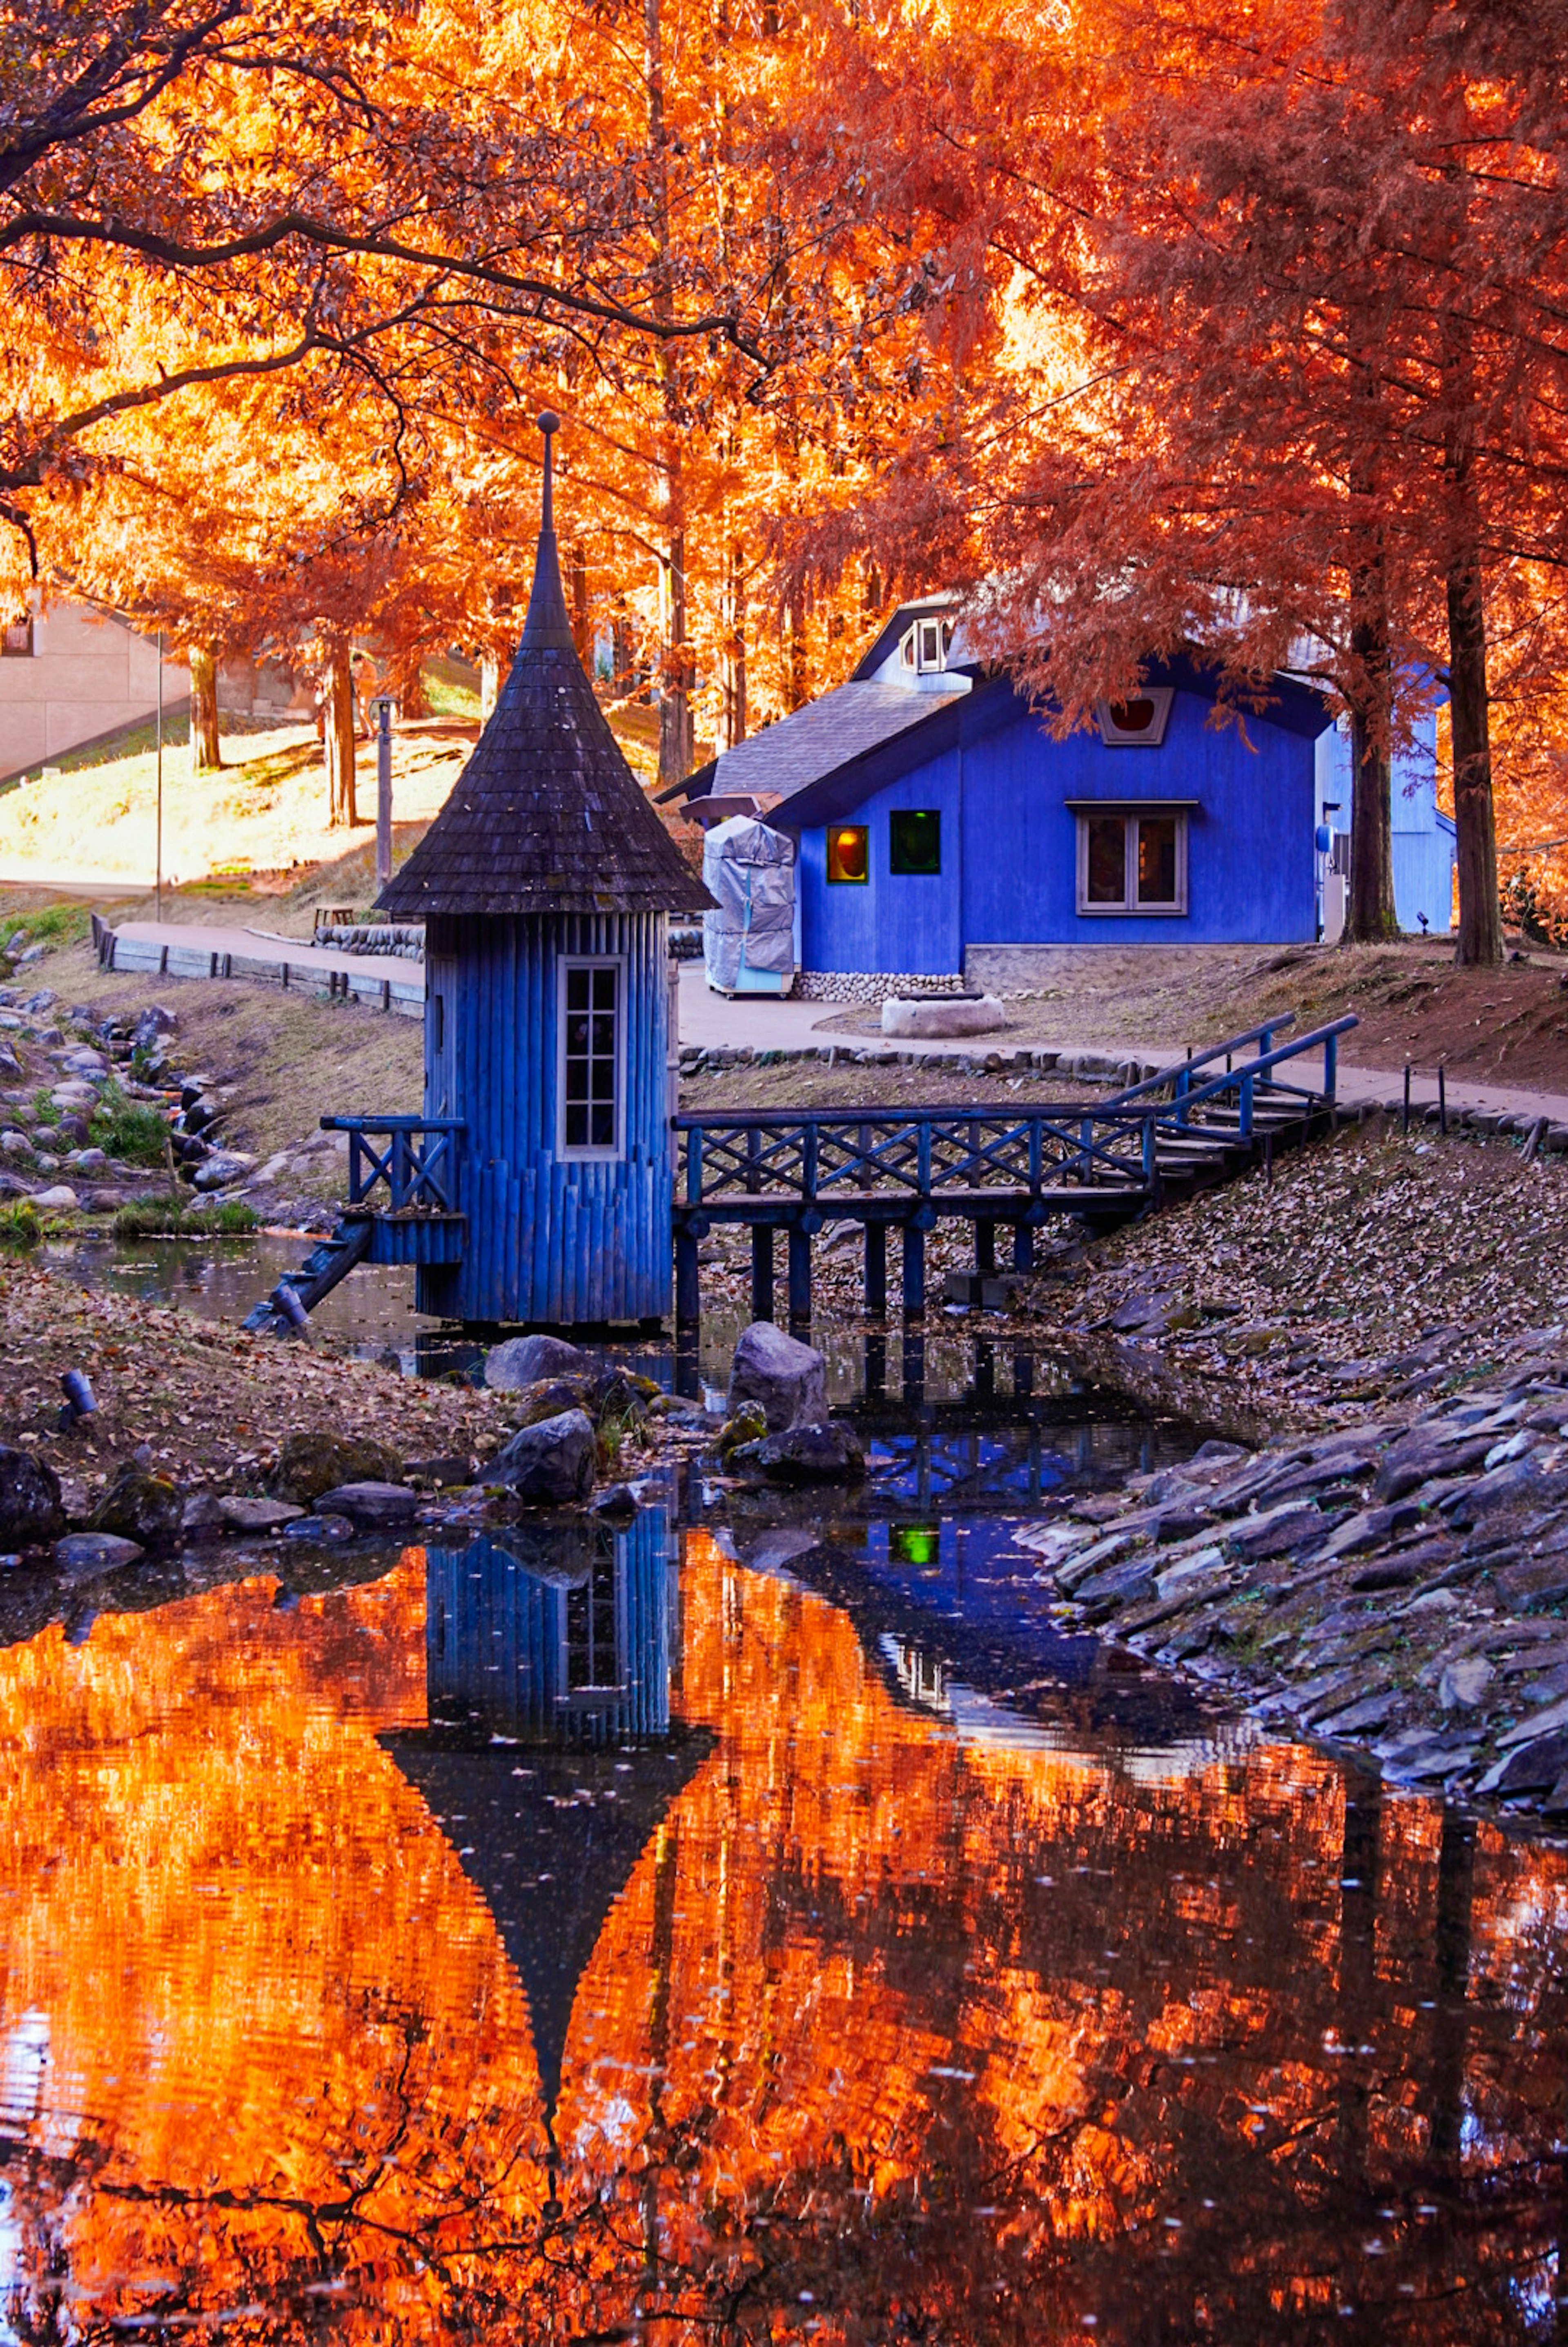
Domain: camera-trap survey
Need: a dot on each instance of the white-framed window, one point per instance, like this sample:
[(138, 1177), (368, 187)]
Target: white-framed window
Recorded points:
[(1132, 860), (16, 639), (590, 1057), (926, 645), (1138, 722)]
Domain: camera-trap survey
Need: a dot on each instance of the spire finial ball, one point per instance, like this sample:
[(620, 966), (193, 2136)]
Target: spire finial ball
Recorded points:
[(549, 422)]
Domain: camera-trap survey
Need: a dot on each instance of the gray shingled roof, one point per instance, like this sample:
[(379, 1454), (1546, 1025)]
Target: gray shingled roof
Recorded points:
[(824, 735), (546, 816)]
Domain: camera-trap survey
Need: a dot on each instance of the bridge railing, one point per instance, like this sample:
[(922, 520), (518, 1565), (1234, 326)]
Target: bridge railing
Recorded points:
[(418, 1160), (910, 1152), (1180, 1072), (1257, 1073)]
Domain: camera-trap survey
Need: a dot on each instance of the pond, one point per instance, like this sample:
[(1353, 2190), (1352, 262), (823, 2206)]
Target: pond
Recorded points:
[(372, 1314), (746, 1926)]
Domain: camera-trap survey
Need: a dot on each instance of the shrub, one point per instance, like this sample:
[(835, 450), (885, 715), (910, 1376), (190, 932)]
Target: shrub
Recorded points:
[(128, 1129), (175, 1217), (19, 1226), (51, 925)]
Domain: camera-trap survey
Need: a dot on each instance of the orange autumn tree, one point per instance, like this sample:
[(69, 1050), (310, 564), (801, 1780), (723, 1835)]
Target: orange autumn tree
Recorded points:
[(1281, 372)]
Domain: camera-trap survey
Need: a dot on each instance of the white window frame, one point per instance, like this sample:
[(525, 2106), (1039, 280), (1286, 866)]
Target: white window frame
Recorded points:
[(926, 645), (1142, 737), (1129, 909), (587, 1153)]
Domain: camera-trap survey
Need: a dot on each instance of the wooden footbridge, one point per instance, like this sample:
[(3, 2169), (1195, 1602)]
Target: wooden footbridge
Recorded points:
[(1199, 1122), (1196, 1122)]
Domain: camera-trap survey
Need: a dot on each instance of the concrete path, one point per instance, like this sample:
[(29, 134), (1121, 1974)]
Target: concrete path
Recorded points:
[(197, 949)]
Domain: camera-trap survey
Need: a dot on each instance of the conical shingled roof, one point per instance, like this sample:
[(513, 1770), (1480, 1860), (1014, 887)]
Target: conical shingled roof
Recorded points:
[(546, 816)]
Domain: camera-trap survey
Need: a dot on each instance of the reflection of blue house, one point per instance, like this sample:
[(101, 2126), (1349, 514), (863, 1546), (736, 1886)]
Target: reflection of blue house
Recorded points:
[(559, 1635), (937, 820)]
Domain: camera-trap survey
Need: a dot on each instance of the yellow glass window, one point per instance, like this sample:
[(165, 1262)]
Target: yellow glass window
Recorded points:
[(848, 852)]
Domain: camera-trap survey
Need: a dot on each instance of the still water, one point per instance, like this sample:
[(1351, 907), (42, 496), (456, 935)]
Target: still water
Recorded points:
[(744, 1930)]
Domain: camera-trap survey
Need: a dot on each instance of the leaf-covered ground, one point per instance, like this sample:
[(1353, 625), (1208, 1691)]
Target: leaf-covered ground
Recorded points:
[(1376, 1264), (210, 1401)]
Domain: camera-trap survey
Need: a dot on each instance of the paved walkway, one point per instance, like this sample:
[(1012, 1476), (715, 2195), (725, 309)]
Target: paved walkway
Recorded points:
[(764, 1023)]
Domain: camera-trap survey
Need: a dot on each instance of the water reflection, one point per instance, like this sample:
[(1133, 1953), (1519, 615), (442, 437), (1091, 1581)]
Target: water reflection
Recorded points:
[(835, 2013), (558, 1633)]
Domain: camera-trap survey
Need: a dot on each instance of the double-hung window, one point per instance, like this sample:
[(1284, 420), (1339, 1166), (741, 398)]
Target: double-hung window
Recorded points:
[(1132, 860), (592, 1058)]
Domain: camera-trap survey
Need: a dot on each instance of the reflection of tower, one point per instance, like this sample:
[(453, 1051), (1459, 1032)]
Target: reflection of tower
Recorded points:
[(555, 1634), (558, 1639)]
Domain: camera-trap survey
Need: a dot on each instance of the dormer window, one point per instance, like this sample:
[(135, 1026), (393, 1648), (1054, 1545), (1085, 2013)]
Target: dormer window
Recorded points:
[(926, 645), (1138, 722)]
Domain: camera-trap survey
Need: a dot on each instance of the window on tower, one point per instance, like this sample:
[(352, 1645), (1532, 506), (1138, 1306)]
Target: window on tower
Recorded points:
[(590, 1059)]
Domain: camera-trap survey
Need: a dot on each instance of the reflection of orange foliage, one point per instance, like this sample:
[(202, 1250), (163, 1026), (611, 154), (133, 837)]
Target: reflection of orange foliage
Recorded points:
[(250, 1951), (881, 2021)]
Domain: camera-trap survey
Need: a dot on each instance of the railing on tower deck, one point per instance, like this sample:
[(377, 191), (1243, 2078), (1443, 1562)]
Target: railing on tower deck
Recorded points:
[(418, 1163)]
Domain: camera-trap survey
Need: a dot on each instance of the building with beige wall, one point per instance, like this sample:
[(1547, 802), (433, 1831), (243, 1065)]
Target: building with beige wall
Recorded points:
[(69, 675)]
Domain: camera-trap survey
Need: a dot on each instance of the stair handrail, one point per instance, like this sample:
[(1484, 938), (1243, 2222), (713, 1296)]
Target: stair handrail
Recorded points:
[(1180, 1068), (1244, 1079)]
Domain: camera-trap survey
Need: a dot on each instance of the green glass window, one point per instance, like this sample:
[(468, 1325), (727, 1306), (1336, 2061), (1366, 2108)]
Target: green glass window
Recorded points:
[(915, 840)]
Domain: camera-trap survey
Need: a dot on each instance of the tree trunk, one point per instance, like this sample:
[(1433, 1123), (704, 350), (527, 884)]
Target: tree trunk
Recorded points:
[(676, 732), (732, 670), (338, 734), (582, 625), (206, 758), (412, 701), (489, 684), (1480, 912), (1370, 915), (798, 690)]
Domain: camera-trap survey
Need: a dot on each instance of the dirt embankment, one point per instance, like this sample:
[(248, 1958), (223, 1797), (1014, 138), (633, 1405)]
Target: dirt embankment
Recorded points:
[(1503, 1026)]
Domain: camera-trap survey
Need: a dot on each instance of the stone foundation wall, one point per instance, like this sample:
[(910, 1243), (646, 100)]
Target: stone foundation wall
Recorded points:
[(871, 986)]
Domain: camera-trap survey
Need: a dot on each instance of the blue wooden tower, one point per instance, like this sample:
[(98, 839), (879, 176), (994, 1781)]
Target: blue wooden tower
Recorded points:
[(544, 885)]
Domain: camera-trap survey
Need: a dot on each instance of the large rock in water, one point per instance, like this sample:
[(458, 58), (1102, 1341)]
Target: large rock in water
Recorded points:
[(524, 1360), (312, 1463), (374, 1507), (822, 1452), (30, 1508), (551, 1464), (788, 1379), (139, 1507)]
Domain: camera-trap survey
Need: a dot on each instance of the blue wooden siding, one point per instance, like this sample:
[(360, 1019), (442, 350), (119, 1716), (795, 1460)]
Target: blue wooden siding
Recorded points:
[(1009, 840), (552, 1240), (1423, 838), (504, 1637), (893, 921)]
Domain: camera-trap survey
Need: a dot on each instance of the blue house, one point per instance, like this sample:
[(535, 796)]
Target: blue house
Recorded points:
[(937, 820)]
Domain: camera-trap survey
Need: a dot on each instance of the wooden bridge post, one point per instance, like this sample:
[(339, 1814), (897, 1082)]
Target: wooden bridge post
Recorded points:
[(800, 1277), (687, 1294), (876, 1269), (762, 1271), (985, 1244), (1022, 1246), (914, 1272)]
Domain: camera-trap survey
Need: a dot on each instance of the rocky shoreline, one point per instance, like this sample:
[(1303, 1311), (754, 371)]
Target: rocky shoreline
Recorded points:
[(1397, 1587)]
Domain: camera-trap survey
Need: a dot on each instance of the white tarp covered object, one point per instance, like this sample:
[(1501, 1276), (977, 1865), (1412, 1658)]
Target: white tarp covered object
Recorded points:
[(749, 943)]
